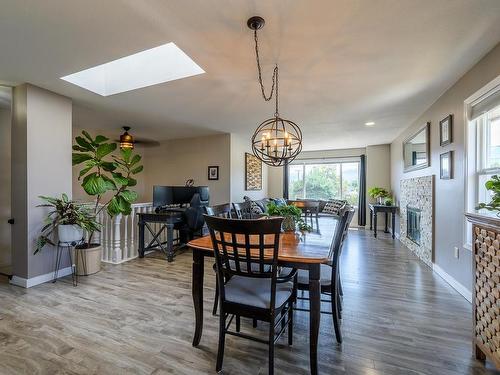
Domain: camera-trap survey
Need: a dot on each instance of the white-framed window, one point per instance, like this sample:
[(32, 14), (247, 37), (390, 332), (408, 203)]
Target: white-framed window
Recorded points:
[(488, 151), (482, 112), (324, 179)]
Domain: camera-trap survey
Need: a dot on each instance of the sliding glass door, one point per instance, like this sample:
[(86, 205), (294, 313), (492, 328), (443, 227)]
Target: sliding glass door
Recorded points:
[(325, 179)]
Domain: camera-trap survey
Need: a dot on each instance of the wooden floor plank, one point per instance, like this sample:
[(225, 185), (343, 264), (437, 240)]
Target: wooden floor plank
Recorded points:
[(137, 318)]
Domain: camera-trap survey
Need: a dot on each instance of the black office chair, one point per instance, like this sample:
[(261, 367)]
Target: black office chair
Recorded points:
[(245, 290), (330, 273)]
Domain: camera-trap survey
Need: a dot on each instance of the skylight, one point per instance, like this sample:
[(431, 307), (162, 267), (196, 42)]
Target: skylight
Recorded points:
[(151, 67)]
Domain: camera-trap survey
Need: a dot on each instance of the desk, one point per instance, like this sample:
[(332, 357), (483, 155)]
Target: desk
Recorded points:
[(306, 252), (375, 209), (167, 220)]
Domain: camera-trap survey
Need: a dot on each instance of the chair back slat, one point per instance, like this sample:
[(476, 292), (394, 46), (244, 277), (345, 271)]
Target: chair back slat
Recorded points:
[(221, 210), (253, 243), (339, 238)]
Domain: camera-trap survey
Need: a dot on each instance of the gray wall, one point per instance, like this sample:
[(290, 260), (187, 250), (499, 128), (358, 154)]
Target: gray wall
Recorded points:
[(41, 165), (5, 126), (449, 194), (175, 161)]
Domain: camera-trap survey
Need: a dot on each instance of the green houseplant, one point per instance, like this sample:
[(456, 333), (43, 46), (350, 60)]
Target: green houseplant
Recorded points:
[(378, 193), (292, 216), (107, 177), (492, 185), (68, 217)]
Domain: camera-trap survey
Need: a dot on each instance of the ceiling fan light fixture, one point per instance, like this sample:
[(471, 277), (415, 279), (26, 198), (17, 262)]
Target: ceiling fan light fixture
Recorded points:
[(126, 140)]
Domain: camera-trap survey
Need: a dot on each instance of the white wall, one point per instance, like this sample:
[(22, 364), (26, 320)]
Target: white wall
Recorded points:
[(378, 173), (175, 161), (449, 194), (41, 165), (5, 181), (239, 146)]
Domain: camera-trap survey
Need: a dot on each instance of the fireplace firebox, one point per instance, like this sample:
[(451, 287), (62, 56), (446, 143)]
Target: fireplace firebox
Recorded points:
[(413, 224)]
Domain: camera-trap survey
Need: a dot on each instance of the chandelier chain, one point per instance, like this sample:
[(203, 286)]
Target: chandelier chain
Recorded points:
[(274, 86)]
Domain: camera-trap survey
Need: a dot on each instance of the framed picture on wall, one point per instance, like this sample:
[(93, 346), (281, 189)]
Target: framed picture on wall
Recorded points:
[(446, 165), (213, 172), (253, 172), (446, 130)]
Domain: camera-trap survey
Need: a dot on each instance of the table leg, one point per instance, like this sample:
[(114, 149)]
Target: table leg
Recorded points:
[(314, 315), (170, 242), (375, 223), (371, 219), (141, 239), (197, 290), (386, 229), (393, 224)]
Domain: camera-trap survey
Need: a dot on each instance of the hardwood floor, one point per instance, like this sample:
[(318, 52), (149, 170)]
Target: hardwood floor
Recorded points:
[(137, 318)]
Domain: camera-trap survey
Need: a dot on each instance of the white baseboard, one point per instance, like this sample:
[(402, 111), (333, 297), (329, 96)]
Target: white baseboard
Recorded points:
[(467, 294), (28, 283)]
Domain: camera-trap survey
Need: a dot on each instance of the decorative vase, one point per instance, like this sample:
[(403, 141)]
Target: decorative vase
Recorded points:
[(88, 260), (288, 224), (380, 200), (69, 233)]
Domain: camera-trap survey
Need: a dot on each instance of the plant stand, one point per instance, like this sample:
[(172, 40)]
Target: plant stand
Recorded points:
[(69, 247)]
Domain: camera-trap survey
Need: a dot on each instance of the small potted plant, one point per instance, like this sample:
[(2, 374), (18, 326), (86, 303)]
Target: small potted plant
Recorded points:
[(492, 185), (105, 174), (379, 194), (66, 217), (292, 216), (389, 201)]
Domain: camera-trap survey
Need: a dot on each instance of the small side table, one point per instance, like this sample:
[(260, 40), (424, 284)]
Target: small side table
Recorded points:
[(375, 209), (74, 262)]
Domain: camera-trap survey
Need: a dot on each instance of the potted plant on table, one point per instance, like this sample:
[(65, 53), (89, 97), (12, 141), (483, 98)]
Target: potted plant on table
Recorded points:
[(492, 185), (69, 218), (292, 216), (107, 177), (379, 194)]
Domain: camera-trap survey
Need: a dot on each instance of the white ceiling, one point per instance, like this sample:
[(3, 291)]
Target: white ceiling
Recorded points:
[(342, 63)]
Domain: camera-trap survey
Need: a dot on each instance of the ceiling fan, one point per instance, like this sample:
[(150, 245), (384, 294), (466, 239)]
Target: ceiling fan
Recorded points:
[(128, 141)]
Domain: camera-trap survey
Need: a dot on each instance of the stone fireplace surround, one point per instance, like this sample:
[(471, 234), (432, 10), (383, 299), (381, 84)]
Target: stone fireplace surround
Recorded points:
[(418, 193)]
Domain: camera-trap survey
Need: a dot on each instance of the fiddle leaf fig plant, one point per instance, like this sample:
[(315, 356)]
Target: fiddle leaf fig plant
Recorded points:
[(104, 171), (492, 185)]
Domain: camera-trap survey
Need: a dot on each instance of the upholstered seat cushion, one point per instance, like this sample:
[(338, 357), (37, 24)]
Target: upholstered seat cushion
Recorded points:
[(256, 292), (326, 275)]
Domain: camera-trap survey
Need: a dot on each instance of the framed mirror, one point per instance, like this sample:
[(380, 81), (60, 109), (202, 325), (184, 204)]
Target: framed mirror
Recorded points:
[(416, 149)]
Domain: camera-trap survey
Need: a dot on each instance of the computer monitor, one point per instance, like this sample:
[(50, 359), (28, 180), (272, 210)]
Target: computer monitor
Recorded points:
[(162, 195)]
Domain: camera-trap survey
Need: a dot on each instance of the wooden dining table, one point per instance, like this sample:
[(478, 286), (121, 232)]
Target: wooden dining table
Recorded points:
[(302, 251)]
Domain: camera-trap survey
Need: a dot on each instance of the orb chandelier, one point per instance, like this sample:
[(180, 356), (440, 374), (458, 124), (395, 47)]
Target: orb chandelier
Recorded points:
[(126, 140), (276, 141)]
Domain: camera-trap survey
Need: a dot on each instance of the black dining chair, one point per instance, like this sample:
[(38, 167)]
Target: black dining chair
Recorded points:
[(221, 210), (243, 210), (330, 273), (248, 291)]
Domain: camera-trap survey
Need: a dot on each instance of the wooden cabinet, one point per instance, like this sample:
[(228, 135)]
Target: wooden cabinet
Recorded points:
[(486, 287)]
